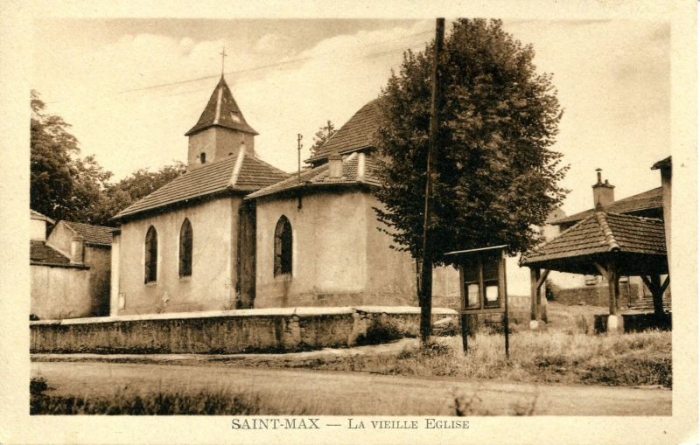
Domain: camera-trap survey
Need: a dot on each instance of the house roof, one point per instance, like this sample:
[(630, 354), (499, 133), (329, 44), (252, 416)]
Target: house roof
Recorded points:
[(92, 234), (353, 167), (33, 214), (227, 175), (357, 133), (222, 111), (651, 199), (599, 234), (41, 254)]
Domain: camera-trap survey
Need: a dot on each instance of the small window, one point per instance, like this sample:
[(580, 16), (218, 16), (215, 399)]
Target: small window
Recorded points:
[(186, 249), (202, 158), (235, 117), (283, 247), (151, 260)]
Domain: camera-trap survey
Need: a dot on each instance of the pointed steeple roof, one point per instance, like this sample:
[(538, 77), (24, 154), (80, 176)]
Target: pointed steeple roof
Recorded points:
[(222, 111)]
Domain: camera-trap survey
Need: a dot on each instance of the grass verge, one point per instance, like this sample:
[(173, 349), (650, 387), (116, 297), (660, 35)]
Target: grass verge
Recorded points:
[(131, 402), (537, 357)]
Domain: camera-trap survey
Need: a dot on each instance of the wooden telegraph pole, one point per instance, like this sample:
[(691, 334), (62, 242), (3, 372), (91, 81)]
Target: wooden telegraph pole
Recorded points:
[(299, 146), (426, 282)]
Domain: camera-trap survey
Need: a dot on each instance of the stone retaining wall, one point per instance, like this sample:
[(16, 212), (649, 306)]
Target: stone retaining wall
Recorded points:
[(224, 332)]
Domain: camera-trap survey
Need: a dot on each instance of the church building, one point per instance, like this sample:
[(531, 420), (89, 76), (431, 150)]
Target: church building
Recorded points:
[(236, 232)]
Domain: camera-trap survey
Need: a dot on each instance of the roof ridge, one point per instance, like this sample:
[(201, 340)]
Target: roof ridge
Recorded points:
[(643, 218), (237, 167), (87, 224), (607, 231)]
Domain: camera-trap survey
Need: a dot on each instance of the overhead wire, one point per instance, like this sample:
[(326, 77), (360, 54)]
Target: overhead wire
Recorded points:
[(271, 65)]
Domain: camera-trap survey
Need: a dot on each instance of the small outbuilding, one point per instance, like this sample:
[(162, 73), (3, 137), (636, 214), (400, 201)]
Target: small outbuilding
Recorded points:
[(69, 269)]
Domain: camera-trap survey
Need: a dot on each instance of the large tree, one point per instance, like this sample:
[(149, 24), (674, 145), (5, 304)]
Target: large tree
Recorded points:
[(51, 162), (496, 178), (65, 186)]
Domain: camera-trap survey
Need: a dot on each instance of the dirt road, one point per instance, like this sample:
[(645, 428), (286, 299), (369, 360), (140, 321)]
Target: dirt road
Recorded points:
[(341, 393)]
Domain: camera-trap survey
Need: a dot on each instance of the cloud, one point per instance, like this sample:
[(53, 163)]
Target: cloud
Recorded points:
[(612, 78), (273, 44)]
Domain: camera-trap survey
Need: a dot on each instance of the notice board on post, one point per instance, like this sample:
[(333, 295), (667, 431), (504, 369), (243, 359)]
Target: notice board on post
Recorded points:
[(483, 289)]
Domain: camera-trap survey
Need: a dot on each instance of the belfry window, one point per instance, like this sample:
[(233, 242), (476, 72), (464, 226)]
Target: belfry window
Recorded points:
[(185, 268), (283, 247), (151, 256), (202, 158)]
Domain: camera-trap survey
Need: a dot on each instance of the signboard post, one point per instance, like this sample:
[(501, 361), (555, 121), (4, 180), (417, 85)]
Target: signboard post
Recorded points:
[(483, 290)]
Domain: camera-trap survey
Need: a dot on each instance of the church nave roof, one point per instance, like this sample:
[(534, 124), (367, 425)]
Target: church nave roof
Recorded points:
[(227, 175)]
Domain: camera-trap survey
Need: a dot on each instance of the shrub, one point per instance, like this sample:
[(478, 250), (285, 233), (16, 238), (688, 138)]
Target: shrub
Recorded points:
[(379, 331)]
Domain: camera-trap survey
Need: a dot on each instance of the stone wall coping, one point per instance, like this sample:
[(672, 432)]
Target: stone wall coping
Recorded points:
[(268, 312), (404, 310)]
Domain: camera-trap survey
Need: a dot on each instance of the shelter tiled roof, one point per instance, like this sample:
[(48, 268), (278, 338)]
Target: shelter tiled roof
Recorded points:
[(222, 111), (603, 232), (353, 165), (43, 255), (651, 199), (217, 177), (92, 234), (357, 133)]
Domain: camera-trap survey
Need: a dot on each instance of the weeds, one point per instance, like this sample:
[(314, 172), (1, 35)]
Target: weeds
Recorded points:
[(624, 360), (130, 402)]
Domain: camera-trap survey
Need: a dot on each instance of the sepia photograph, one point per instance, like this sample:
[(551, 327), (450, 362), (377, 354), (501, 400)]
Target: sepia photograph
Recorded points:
[(400, 226)]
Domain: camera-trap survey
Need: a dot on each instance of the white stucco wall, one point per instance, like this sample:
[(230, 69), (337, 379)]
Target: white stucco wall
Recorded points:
[(60, 292), (328, 260), (212, 284), (340, 257)]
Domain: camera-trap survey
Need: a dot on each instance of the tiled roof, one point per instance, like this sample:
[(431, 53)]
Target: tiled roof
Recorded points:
[(43, 255), (600, 233), (320, 176), (652, 199), (357, 133), (222, 110), (256, 174), (209, 179), (92, 234), (36, 215)]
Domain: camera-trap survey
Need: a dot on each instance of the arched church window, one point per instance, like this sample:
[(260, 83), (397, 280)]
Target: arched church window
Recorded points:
[(186, 249), (283, 247), (151, 260), (202, 158)]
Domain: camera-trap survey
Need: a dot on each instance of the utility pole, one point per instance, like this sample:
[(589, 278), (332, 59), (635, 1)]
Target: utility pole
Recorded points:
[(426, 282), (299, 145)]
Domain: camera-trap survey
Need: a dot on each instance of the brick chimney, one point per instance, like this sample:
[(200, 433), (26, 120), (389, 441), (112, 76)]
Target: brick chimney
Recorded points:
[(603, 192), (77, 250), (335, 166)]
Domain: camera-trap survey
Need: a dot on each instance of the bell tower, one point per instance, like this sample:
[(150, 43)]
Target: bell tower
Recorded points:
[(220, 130)]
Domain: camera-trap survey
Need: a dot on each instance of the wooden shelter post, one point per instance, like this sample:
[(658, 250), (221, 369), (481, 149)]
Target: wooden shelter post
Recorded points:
[(537, 279), (653, 283)]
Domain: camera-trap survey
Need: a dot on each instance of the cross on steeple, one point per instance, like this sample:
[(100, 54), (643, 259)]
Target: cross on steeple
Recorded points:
[(223, 54)]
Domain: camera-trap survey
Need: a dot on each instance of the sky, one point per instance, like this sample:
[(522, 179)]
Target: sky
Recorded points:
[(131, 88)]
